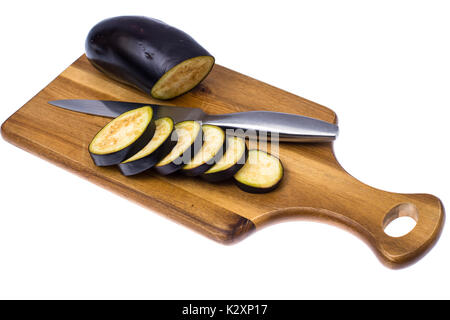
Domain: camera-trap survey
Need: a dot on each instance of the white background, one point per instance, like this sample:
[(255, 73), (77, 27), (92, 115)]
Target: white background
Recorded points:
[(382, 66)]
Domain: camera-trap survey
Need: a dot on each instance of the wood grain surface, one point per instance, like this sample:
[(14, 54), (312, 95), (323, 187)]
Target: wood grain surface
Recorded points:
[(315, 185)]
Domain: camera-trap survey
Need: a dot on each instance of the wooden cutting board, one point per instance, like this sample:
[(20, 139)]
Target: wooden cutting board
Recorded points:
[(315, 185)]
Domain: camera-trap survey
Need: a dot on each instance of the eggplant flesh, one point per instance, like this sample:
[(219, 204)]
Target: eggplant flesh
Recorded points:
[(211, 151), (233, 160), (182, 78), (159, 146), (122, 137), (148, 54), (261, 173), (189, 142)]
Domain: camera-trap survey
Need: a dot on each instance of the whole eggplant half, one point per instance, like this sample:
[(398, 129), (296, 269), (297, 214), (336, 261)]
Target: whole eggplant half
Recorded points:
[(148, 54)]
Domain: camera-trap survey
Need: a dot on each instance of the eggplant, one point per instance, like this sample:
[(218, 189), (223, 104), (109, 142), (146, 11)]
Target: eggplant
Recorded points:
[(122, 137), (233, 160), (148, 54), (159, 146), (189, 142), (211, 151), (261, 173)]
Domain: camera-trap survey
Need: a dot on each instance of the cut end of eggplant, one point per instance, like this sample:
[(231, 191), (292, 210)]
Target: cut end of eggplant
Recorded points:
[(261, 173), (212, 149), (182, 78), (122, 137), (189, 134), (233, 160)]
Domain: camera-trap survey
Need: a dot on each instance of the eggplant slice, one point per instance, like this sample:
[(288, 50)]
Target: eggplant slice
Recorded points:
[(189, 142), (158, 147), (261, 173), (122, 137), (211, 151), (148, 54), (233, 160)]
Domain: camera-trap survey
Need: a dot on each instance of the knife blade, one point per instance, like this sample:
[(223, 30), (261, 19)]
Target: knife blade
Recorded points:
[(285, 126)]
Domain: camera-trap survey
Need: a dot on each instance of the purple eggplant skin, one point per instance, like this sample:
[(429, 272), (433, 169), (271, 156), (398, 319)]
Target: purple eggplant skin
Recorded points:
[(138, 50), (117, 157), (228, 173), (250, 189), (147, 162)]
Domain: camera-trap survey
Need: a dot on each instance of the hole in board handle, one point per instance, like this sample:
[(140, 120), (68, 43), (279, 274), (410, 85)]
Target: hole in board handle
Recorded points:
[(400, 220)]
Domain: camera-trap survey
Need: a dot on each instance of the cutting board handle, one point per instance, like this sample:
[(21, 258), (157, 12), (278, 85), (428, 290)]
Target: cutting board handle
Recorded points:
[(366, 211), (425, 209)]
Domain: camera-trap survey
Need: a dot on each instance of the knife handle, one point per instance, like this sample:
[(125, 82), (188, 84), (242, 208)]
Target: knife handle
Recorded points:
[(285, 126)]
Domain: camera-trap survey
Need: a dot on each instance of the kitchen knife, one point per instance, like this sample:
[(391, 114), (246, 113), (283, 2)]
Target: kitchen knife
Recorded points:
[(288, 127)]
